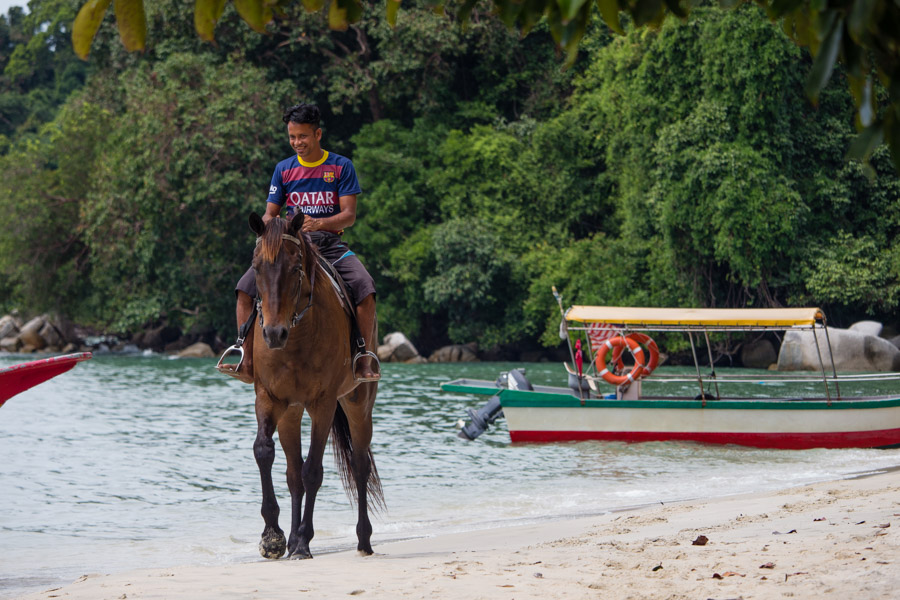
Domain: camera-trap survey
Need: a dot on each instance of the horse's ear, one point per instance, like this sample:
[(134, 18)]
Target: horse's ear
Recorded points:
[(256, 224), (296, 223)]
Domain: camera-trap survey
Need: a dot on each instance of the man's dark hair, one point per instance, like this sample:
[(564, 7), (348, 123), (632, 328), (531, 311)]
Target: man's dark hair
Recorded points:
[(302, 113)]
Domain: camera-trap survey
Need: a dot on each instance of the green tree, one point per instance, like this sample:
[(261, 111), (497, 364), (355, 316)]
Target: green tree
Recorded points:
[(863, 33), (186, 161), (44, 261)]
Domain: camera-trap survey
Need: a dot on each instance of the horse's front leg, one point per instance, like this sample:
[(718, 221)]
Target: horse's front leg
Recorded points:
[(312, 479), (272, 544), (289, 434)]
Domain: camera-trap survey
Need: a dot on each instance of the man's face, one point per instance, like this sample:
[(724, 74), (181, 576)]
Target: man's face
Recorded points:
[(304, 139)]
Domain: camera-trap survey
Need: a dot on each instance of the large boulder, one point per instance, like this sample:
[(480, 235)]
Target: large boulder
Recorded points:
[(455, 353), (158, 337), (30, 334), (852, 351), (8, 327), (10, 344), (758, 354), (51, 334), (867, 327), (198, 350), (396, 348)]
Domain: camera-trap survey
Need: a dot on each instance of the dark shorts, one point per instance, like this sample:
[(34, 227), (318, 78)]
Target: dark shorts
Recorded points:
[(345, 262)]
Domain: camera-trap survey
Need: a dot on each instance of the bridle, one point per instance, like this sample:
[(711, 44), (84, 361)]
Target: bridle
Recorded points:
[(295, 320)]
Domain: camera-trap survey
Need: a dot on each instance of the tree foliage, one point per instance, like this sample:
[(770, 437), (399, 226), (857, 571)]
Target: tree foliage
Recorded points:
[(864, 34), (682, 165)]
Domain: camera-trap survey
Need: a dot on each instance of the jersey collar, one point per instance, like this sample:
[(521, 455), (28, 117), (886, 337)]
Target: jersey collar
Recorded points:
[(314, 164)]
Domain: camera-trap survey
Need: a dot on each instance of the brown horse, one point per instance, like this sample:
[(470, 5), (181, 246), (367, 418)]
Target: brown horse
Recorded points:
[(305, 365)]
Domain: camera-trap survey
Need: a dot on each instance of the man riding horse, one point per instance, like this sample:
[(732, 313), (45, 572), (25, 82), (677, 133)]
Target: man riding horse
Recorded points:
[(323, 186)]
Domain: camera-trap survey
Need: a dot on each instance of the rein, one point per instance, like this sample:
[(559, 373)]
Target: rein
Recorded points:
[(295, 320)]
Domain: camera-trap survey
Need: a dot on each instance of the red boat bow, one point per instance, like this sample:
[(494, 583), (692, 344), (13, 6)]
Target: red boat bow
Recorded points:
[(18, 378)]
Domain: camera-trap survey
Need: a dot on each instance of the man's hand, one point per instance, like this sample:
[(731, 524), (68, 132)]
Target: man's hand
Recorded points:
[(312, 225)]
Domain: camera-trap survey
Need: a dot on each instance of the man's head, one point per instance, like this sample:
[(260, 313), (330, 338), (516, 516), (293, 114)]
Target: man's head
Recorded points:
[(304, 132)]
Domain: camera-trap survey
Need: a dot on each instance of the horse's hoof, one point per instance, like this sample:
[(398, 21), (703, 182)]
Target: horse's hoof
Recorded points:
[(300, 555), (365, 550), (272, 546)]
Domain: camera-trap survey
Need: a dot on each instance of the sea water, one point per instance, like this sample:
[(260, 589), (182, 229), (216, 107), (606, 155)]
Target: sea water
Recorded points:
[(128, 462)]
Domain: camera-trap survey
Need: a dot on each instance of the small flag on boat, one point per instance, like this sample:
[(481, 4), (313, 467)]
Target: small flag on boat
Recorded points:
[(600, 332)]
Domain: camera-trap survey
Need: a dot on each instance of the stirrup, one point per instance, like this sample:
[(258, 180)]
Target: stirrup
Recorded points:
[(376, 365), (233, 370)]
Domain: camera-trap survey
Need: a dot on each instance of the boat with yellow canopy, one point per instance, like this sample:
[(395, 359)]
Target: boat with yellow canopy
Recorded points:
[(615, 391)]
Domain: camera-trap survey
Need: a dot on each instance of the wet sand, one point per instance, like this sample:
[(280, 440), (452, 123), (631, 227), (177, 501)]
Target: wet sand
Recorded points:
[(836, 539)]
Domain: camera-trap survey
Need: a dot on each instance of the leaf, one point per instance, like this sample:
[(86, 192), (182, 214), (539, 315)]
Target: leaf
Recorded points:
[(256, 13), (780, 8), (86, 25), (353, 8), (823, 65), (646, 11), (729, 4), (892, 134), (568, 8), (393, 6), (676, 9), (862, 96), (609, 10), (337, 17), (132, 23), (464, 11), (312, 6), (859, 18), (206, 14)]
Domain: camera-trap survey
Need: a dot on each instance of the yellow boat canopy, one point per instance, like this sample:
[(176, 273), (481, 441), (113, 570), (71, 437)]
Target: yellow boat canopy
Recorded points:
[(708, 317)]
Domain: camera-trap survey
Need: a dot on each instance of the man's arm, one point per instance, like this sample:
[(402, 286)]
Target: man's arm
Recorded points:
[(272, 211), (342, 220)]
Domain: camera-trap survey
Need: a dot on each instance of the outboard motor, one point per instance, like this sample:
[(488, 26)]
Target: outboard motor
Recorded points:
[(481, 418), (516, 380), (487, 414)]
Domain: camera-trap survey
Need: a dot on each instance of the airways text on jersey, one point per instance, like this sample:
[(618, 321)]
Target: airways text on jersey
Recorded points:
[(312, 202)]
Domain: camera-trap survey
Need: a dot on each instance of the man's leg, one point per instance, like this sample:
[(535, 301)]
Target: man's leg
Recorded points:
[(365, 314), (245, 292), (243, 311)]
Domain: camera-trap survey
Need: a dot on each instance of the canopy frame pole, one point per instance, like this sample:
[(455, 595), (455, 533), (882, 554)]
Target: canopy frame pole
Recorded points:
[(712, 367), (564, 328), (822, 364), (697, 365), (837, 385)]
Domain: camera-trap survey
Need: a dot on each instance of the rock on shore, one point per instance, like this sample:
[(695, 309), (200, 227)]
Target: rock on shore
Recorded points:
[(855, 349), (43, 333)]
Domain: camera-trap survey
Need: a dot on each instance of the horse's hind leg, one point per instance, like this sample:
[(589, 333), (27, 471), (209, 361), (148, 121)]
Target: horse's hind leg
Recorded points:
[(272, 544), (356, 432), (312, 481)]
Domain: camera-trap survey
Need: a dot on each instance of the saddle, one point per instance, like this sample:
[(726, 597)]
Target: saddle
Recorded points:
[(357, 341)]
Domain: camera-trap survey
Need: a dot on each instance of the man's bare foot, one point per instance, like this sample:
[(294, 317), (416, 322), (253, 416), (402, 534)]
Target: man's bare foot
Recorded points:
[(240, 374), (242, 370), (364, 371)]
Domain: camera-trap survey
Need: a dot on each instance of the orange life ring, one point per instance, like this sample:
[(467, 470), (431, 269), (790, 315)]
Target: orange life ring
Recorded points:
[(652, 349), (621, 342), (646, 342)]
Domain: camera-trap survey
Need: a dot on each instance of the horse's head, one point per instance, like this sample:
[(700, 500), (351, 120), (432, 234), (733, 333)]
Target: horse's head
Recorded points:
[(280, 262)]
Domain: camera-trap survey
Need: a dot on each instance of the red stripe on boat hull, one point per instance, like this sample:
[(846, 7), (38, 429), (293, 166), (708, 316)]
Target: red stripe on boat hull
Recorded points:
[(787, 441)]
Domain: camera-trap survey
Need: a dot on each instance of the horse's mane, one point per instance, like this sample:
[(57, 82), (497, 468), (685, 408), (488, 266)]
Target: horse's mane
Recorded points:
[(271, 241)]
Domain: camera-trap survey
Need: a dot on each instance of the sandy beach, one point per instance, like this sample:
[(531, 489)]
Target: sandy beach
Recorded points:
[(837, 539)]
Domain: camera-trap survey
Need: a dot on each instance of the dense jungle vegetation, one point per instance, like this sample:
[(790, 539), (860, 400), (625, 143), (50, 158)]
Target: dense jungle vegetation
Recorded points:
[(675, 167)]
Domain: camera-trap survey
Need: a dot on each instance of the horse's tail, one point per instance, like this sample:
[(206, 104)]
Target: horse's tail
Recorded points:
[(343, 453)]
